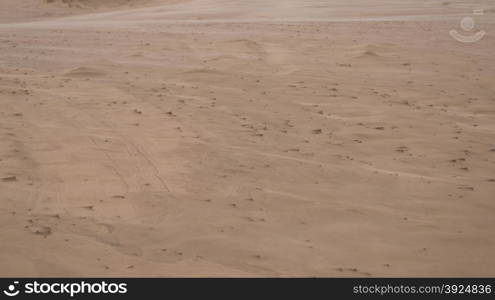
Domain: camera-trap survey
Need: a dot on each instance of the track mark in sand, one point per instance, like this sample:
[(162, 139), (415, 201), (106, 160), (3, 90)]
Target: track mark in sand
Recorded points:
[(133, 164), (291, 195), (113, 163), (141, 165), (233, 190), (155, 169), (323, 164)]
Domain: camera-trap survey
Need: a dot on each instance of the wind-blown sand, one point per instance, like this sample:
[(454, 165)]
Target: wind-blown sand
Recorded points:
[(246, 138)]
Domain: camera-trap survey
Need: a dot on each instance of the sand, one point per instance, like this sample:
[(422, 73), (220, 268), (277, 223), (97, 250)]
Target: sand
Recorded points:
[(246, 138)]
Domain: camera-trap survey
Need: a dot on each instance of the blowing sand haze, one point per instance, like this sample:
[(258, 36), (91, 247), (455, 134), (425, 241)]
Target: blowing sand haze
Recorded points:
[(262, 138)]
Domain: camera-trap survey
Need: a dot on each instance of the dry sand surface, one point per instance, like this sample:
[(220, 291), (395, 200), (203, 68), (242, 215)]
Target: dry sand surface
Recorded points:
[(246, 138)]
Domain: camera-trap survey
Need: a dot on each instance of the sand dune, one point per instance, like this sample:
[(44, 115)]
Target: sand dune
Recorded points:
[(245, 138)]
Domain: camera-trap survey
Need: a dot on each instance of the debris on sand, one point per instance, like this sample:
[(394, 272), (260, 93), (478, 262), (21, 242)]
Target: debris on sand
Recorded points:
[(9, 179)]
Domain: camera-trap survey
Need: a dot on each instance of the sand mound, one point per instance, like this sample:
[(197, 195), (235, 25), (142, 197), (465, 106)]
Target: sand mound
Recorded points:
[(369, 50), (372, 51), (85, 72)]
